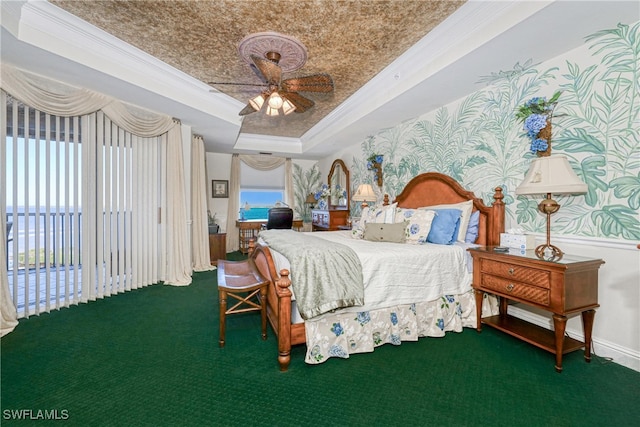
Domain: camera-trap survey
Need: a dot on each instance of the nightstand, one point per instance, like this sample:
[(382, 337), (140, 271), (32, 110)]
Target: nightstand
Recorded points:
[(562, 287)]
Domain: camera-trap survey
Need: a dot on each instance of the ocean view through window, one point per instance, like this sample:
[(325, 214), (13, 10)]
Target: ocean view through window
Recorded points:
[(259, 202)]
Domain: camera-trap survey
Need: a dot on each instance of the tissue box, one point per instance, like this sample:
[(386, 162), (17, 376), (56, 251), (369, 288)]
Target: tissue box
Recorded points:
[(517, 241)]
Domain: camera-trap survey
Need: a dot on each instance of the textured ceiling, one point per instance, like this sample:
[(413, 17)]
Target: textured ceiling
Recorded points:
[(350, 40)]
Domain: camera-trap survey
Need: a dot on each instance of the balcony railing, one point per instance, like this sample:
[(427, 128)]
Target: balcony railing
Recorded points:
[(43, 239)]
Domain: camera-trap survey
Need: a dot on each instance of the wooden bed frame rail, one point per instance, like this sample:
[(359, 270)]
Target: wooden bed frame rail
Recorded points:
[(427, 189)]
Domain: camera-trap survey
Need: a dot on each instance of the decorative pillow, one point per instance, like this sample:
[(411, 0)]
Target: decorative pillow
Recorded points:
[(378, 214), (473, 229), (377, 232), (383, 214), (445, 226), (403, 214), (357, 228), (466, 208), (419, 225)]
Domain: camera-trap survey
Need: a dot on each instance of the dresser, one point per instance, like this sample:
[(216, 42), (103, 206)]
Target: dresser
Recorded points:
[(562, 287), (217, 247), (328, 219)]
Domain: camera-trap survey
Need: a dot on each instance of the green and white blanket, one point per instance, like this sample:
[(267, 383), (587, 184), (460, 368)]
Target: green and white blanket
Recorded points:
[(324, 275)]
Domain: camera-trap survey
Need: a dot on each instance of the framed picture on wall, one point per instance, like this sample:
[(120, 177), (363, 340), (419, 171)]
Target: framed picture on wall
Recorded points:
[(220, 189)]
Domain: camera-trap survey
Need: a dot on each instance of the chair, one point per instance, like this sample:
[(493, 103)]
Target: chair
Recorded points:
[(241, 281), (280, 218)]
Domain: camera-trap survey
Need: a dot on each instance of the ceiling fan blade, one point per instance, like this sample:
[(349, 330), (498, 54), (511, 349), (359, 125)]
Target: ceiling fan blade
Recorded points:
[(301, 103), (247, 110), (313, 83), (269, 69), (235, 84)]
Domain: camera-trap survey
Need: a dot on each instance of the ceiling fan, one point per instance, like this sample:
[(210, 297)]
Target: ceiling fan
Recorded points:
[(282, 94), (279, 96)]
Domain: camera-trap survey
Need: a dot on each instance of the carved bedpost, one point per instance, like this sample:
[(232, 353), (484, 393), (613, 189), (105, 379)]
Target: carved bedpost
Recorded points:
[(385, 200), (252, 246), (497, 218), (284, 319)]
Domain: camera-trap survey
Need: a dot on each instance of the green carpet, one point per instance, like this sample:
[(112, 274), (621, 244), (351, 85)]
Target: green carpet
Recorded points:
[(150, 357)]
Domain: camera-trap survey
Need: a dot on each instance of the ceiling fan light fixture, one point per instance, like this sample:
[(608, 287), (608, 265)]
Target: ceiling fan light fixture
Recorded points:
[(257, 102), (272, 111), (288, 107), (275, 101)]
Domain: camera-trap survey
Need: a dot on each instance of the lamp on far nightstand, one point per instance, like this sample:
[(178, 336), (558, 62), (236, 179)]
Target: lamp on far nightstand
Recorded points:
[(550, 175), (363, 194), (310, 200)]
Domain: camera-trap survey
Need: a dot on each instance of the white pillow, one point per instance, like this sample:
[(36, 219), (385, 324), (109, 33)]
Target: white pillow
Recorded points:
[(383, 214), (466, 208)]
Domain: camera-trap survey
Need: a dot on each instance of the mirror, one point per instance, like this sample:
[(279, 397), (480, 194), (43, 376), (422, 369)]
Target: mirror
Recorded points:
[(339, 176)]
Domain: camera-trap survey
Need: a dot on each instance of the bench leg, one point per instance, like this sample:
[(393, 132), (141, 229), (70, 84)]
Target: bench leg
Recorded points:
[(223, 310)]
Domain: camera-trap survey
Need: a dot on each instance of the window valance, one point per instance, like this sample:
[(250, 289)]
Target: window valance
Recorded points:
[(59, 99)]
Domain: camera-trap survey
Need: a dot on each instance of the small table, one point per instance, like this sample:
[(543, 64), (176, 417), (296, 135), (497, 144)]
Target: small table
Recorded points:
[(562, 287), (248, 229)]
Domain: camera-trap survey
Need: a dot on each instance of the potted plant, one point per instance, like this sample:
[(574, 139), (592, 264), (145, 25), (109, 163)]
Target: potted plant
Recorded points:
[(213, 225)]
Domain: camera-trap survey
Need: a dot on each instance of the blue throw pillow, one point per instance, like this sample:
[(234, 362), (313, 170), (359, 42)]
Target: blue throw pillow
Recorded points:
[(472, 231), (445, 225)]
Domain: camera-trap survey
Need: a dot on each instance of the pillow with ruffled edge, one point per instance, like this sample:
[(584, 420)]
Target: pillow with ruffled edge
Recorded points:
[(466, 208), (380, 232), (419, 225), (357, 228), (445, 226), (474, 228)]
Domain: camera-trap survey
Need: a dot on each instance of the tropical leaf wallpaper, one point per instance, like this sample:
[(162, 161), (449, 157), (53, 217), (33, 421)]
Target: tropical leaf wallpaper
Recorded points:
[(304, 182), (479, 142)]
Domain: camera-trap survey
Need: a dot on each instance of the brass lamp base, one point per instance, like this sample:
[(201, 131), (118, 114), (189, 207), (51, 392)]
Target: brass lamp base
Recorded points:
[(548, 251)]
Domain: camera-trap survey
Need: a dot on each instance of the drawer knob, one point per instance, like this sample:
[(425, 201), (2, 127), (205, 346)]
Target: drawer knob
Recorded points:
[(511, 271), (510, 287)]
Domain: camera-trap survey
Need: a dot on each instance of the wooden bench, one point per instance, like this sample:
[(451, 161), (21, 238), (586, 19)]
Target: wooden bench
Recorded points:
[(241, 281)]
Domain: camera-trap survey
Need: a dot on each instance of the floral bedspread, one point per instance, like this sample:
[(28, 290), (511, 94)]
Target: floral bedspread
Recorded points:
[(343, 334)]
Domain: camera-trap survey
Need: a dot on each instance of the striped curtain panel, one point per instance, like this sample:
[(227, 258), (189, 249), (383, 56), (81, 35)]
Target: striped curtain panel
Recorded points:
[(82, 208)]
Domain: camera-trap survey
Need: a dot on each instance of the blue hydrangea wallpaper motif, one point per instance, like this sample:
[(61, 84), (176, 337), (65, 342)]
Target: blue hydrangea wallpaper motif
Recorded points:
[(480, 143)]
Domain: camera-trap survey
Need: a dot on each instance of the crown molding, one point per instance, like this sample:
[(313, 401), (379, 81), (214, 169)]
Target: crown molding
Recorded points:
[(441, 47), (274, 144), (48, 27)]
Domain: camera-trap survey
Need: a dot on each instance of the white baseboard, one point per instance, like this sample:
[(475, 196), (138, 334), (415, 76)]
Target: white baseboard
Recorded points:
[(602, 348)]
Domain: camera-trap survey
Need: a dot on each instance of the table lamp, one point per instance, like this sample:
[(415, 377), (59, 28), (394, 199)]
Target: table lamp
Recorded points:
[(363, 194), (550, 175)]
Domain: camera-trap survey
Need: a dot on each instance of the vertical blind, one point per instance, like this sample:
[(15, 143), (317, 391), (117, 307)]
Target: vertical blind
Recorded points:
[(84, 215)]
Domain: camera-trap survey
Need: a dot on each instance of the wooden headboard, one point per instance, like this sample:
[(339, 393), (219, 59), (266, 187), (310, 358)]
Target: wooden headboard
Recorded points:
[(434, 188)]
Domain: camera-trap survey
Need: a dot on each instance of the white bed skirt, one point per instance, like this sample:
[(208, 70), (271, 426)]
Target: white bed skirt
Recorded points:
[(343, 334)]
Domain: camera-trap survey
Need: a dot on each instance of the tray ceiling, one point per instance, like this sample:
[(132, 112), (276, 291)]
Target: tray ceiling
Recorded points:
[(390, 60), (350, 40)]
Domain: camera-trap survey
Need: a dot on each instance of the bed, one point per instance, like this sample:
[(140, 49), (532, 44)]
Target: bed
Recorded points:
[(349, 330)]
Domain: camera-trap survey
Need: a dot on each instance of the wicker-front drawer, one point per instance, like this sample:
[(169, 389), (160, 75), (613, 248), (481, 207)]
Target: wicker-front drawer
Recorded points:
[(516, 290), (518, 273)]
